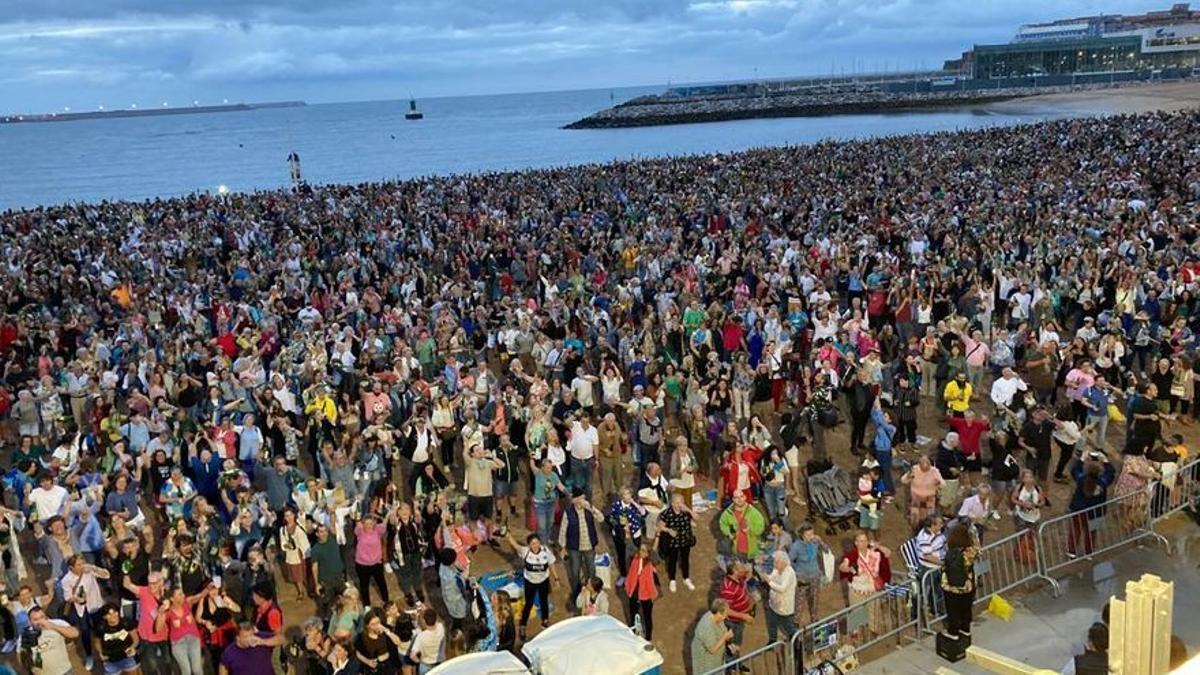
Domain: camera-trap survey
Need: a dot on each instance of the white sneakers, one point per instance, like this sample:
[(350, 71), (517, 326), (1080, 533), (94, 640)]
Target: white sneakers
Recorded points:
[(689, 584), (672, 585)]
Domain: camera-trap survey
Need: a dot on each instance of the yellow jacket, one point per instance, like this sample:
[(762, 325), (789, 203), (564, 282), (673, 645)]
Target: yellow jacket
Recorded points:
[(958, 399), (324, 406)]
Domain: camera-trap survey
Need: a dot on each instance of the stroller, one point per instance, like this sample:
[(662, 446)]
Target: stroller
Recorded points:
[(832, 497)]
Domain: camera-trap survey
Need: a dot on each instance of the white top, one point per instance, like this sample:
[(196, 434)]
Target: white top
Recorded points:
[(556, 455), (1067, 432), (1003, 390), (81, 592), (1033, 496), (47, 502), (583, 441), (611, 388), (428, 644), (535, 566), (975, 508), (783, 590), (286, 400), (584, 391), (53, 648)]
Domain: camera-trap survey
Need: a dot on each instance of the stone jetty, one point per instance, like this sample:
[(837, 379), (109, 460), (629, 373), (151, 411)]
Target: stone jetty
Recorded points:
[(668, 109)]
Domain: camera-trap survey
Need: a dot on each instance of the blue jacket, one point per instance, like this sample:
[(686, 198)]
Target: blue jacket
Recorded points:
[(1099, 398), (883, 431), (1080, 500), (806, 560)]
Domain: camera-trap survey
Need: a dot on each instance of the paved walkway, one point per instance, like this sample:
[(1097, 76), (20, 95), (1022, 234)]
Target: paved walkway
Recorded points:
[(1046, 632)]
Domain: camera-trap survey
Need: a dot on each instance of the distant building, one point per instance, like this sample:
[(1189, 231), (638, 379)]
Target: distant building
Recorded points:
[(1167, 39)]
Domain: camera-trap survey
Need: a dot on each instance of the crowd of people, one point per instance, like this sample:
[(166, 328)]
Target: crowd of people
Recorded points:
[(214, 402)]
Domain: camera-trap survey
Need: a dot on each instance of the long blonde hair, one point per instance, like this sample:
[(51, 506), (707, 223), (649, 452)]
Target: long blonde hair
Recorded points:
[(504, 610)]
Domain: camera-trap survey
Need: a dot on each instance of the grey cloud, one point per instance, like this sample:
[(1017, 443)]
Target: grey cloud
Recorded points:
[(58, 52)]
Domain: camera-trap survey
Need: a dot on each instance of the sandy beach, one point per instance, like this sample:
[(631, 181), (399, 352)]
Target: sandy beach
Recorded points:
[(1134, 99)]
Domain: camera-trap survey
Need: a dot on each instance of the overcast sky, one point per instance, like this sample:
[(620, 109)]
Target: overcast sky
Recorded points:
[(86, 53)]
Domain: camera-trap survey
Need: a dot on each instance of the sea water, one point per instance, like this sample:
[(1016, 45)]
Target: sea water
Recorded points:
[(144, 157)]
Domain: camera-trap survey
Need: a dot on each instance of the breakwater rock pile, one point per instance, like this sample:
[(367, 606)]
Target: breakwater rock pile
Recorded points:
[(668, 109)]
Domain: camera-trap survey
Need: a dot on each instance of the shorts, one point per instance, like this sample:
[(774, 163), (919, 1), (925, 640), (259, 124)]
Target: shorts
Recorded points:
[(479, 507), (792, 457), (125, 665), (501, 489)]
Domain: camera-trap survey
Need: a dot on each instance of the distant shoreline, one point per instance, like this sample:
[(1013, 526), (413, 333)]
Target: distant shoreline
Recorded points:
[(146, 112)]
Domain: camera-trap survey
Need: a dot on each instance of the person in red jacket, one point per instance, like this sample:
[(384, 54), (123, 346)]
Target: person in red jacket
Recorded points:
[(641, 585), (739, 473)]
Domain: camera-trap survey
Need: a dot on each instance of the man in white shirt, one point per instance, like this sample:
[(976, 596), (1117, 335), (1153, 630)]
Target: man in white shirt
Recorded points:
[(653, 493), (1087, 332), (582, 447), (429, 644), (819, 297), (46, 500), (931, 544), (78, 383), (781, 603), (584, 386), (51, 647), (1021, 301), (978, 509), (639, 401), (84, 600), (1006, 387)]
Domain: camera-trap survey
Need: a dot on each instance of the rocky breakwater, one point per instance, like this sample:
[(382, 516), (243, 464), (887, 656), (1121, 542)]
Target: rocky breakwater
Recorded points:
[(660, 110)]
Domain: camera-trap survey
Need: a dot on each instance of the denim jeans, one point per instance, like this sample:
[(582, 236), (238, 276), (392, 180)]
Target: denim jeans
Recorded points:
[(779, 623), (1100, 430), (775, 499), (188, 655), (154, 657), (545, 519), (884, 457), (84, 623), (581, 567), (581, 475)]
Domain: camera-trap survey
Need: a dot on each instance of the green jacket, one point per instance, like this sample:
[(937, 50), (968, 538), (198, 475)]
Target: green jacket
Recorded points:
[(756, 524)]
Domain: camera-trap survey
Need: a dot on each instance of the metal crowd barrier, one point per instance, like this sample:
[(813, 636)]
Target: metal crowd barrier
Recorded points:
[(772, 659), (892, 614), (1001, 566), (1179, 489), (1007, 563), (1065, 539)]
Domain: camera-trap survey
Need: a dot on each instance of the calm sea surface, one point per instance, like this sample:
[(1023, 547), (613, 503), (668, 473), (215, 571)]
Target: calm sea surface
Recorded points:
[(136, 158)]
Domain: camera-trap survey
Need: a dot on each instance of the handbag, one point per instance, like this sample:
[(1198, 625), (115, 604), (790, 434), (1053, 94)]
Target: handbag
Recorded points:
[(530, 516), (1115, 414), (828, 565), (828, 417)]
